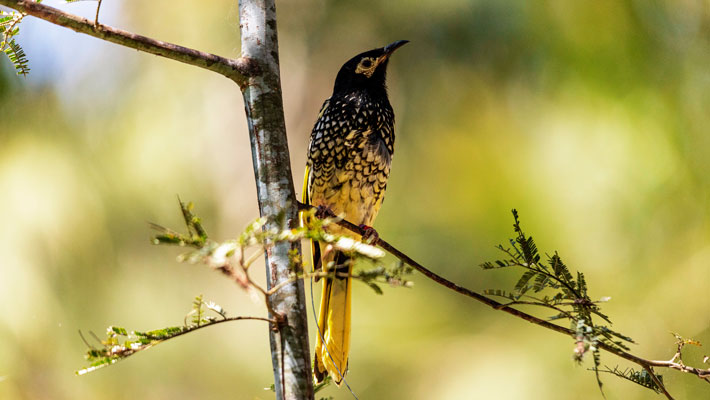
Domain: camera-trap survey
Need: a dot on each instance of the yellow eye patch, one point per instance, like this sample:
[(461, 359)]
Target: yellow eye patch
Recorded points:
[(367, 66)]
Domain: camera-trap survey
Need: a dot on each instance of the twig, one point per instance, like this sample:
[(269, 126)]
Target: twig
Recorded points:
[(657, 381), (246, 282), (86, 342), (249, 261), (98, 7), (308, 275), (228, 319), (532, 303), (237, 70), (8, 32), (546, 273)]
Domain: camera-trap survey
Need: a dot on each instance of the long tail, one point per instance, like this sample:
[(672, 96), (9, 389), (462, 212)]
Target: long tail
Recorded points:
[(333, 340)]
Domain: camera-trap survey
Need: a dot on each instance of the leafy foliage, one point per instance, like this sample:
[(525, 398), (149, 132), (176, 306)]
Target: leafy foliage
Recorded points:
[(17, 56), (552, 285), (9, 21), (642, 377), (9, 28), (119, 344), (235, 257), (381, 275), (196, 236)]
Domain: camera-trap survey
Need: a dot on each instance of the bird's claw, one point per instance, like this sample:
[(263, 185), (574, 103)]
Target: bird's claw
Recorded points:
[(323, 212), (369, 234)]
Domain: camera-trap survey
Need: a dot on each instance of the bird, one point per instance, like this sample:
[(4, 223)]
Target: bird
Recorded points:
[(348, 164)]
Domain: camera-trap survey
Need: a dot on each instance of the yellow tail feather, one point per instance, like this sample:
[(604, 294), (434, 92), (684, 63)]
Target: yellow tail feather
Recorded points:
[(334, 326), (334, 315)]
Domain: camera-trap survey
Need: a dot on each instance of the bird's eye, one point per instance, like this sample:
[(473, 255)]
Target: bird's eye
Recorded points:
[(366, 63)]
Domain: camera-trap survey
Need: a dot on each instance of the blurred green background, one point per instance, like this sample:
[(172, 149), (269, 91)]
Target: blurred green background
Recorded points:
[(591, 118)]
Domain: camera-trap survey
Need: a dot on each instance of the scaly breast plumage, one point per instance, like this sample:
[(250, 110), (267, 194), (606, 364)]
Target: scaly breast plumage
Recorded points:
[(349, 159)]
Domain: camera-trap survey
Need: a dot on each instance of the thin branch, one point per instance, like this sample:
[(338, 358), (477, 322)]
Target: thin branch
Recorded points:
[(98, 8), (701, 373), (532, 303), (114, 351), (228, 319), (245, 281), (315, 275), (249, 261), (445, 282), (237, 70)]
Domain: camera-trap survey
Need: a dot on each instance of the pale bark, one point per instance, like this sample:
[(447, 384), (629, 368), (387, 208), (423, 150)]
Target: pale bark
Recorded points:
[(274, 184)]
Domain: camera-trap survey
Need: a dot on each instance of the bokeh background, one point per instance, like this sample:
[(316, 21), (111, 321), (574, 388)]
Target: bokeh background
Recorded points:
[(591, 118)]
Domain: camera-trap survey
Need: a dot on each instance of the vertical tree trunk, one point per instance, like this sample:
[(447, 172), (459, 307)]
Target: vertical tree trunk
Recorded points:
[(274, 183)]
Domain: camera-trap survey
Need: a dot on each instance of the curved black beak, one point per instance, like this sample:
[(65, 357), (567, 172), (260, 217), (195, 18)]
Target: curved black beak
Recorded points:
[(390, 48)]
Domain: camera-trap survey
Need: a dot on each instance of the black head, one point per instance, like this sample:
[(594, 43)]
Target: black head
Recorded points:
[(366, 71)]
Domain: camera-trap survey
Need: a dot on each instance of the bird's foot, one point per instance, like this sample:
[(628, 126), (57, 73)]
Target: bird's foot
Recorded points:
[(369, 235), (324, 212)]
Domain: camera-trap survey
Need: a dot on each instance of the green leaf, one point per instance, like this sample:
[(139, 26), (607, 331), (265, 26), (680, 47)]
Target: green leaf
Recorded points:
[(561, 271), (500, 293), (581, 285), (595, 310), (197, 311), (194, 225), (17, 56), (498, 264), (375, 287), (642, 377), (558, 316), (118, 330), (541, 281), (162, 334), (597, 362), (522, 286), (6, 21)]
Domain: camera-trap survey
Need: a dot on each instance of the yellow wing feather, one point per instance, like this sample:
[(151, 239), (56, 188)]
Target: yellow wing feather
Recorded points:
[(306, 199), (334, 314)]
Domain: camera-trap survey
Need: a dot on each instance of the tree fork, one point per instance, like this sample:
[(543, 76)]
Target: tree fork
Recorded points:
[(237, 70)]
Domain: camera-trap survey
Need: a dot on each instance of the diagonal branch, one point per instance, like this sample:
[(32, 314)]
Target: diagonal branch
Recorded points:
[(236, 70), (646, 364), (447, 283)]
